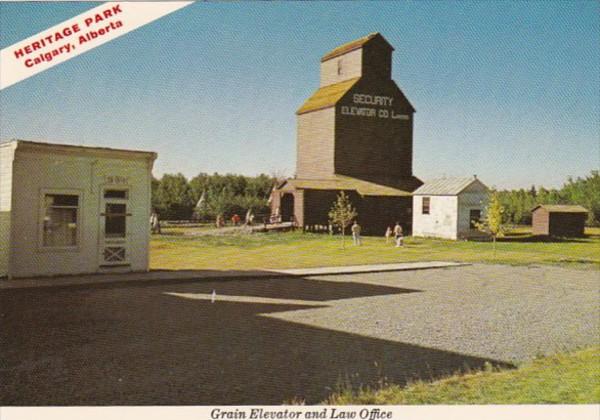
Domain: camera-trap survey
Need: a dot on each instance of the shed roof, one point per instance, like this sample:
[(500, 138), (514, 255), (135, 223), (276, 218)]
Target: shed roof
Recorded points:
[(561, 208), (353, 45), (327, 96), (446, 186), (341, 183)]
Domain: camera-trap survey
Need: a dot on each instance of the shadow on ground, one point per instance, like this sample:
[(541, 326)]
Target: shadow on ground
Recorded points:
[(141, 346)]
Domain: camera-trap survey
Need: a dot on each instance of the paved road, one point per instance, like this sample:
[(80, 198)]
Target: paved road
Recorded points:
[(266, 341)]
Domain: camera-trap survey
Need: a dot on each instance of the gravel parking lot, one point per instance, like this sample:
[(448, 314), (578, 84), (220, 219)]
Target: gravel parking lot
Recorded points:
[(504, 313), (266, 341)]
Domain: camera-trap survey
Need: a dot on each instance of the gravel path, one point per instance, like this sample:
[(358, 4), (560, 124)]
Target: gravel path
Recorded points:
[(267, 341), (504, 313)]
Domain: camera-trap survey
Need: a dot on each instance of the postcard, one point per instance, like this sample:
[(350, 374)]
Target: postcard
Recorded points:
[(299, 210)]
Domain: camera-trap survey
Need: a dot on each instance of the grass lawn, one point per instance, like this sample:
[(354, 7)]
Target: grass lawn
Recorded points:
[(572, 378), (175, 251)]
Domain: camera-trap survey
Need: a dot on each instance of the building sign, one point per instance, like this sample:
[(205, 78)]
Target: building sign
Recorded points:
[(116, 179), (378, 107)]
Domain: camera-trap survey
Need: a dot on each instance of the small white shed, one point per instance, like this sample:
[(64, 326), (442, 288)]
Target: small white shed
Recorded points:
[(447, 207), (72, 209)]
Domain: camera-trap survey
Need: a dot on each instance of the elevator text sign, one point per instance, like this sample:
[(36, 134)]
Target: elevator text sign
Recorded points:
[(373, 106)]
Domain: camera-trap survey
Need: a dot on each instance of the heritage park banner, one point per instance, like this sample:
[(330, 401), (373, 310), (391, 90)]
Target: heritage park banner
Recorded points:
[(76, 36)]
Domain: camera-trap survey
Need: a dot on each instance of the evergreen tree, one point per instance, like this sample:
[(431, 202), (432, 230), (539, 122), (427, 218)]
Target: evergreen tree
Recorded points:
[(533, 191)]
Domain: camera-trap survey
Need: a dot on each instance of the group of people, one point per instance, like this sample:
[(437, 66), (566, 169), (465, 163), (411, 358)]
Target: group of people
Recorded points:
[(396, 232)]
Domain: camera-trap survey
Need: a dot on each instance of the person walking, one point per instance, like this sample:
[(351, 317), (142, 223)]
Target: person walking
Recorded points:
[(154, 222), (398, 235), (356, 234), (388, 234)]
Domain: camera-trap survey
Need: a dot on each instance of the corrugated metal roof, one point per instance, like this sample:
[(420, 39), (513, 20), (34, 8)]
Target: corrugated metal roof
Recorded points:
[(445, 186), (327, 96), (561, 208), (339, 182)]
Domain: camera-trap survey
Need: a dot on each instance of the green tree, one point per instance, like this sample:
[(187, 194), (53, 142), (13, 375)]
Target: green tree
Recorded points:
[(585, 192), (219, 202), (492, 222), (251, 202), (173, 198), (200, 185), (533, 191), (155, 183), (228, 194), (342, 214), (260, 186)]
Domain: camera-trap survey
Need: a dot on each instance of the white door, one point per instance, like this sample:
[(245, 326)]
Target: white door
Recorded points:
[(114, 216)]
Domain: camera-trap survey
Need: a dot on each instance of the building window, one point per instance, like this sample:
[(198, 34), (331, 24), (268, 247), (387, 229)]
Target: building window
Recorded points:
[(61, 213), (115, 225), (116, 194), (426, 201), (474, 217)]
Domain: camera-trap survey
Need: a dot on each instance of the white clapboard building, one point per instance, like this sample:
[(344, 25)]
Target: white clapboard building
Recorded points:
[(447, 207), (73, 209)]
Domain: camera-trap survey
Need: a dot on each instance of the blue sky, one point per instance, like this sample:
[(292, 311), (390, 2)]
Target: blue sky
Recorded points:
[(507, 91)]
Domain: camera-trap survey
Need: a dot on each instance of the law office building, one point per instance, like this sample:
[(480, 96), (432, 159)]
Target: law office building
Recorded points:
[(354, 134), (73, 209)]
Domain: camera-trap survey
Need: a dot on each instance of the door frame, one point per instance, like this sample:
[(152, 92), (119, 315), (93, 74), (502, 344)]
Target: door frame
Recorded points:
[(113, 245)]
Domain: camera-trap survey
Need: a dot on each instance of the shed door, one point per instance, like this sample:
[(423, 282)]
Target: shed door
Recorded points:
[(114, 216)]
